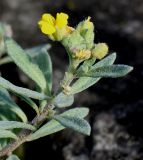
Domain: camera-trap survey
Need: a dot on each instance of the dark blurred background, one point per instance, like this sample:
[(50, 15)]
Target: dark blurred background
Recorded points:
[(116, 105)]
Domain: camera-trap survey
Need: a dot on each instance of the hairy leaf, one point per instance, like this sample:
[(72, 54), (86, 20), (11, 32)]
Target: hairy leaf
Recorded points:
[(4, 125), (31, 103), (85, 82), (22, 61), (20, 90), (8, 105), (54, 126), (108, 71), (62, 100), (75, 123), (40, 56)]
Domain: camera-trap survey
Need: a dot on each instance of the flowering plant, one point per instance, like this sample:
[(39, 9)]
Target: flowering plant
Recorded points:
[(88, 63)]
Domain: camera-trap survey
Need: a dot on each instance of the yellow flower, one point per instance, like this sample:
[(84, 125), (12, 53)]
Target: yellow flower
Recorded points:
[(57, 28), (100, 50)]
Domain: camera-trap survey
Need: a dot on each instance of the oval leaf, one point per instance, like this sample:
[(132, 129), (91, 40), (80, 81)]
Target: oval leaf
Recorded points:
[(22, 61), (62, 100), (75, 123), (79, 112), (54, 126)]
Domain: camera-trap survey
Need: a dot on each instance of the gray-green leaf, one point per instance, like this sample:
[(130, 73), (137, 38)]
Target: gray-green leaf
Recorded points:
[(54, 126), (40, 56), (31, 103), (75, 123), (108, 71), (4, 125), (7, 134), (20, 90), (62, 100), (85, 82), (22, 61), (79, 112), (9, 105)]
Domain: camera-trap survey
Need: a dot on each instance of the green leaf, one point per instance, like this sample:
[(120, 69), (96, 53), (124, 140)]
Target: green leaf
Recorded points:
[(12, 157), (80, 112), (40, 56), (7, 134), (75, 123), (85, 82), (22, 61), (108, 71), (7, 103), (32, 104), (107, 61), (54, 126), (62, 100), (4, 125), (89, 62), (20, 90), (49, 128)]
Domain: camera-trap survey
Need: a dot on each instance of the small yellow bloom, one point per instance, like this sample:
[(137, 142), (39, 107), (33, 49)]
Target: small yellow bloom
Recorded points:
[(54, 28), (82, 54), (100, 50)]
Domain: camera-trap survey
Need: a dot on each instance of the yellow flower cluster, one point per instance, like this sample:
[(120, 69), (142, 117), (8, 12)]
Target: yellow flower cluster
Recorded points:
[(82, 54), (57, 28)]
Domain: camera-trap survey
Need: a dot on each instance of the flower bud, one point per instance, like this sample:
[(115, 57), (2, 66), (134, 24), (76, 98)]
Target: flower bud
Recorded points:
[(74, 41), (66, 89), (86, 29), (100, 50)]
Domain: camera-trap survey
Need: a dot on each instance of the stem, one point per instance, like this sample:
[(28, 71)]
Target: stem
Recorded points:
[(24, 134)]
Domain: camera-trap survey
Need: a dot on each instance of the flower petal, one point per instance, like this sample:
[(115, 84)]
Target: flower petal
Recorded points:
[(48, 18), (46, 28), (61, 20)]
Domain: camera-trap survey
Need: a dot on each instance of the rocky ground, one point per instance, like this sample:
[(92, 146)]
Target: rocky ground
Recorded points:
[(116, 105)]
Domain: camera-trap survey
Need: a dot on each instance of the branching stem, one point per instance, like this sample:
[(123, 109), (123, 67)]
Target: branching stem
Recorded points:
[(24, 134)]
